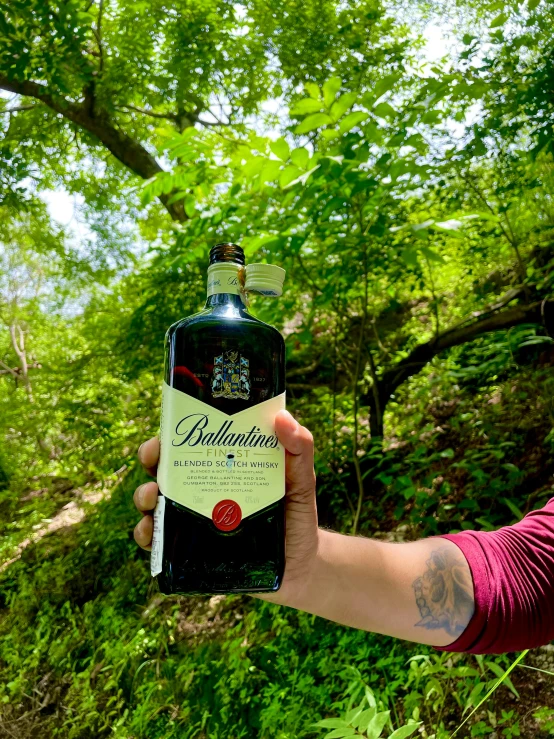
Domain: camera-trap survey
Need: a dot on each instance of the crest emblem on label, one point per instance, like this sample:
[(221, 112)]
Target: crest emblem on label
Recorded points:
[(226, 515), (231, 376)]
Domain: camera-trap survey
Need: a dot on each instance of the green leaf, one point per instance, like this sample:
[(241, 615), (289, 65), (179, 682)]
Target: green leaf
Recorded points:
[(364, 718), (339, 733), (310, 172), (178, 196), (329, 133), (189, 206), (168, 183), (251, 244), (484, 523), (351, 120), (253, 167), (313, 90), (512, 506), (312, 122), (270, 171), (280, 148), (500, 673), (5, 27), (300, 157), (431, 255), (307, 105), (499, 682), (478, 146), (332, 723), (289, 174), (384, 85), (405, 731), (421, 233), (334, 204), (537, 340), (377, 724), (344, 103), (303, 177), (384, 110), (330, 89), (410, 257), (370, 697), (431, 117), (352, 715), (474, 695), (532, 4), (499, 20)]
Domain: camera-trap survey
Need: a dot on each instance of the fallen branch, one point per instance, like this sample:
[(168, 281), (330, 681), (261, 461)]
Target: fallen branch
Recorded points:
[(304, 370), (540, 313)]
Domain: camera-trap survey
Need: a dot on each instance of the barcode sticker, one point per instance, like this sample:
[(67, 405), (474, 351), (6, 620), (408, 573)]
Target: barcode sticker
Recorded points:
[(158, 537)]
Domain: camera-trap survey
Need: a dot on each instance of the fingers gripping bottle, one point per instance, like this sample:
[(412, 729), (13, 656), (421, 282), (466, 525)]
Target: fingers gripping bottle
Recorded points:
[(219, 522)]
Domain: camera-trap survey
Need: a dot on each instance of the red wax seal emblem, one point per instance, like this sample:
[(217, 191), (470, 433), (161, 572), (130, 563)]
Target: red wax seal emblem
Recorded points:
[(226, 515)]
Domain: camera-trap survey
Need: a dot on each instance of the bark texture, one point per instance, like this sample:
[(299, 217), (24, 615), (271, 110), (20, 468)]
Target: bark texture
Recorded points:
[(99, 124)]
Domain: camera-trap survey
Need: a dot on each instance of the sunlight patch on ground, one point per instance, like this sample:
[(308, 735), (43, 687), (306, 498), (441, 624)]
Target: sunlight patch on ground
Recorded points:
[(70, 514)]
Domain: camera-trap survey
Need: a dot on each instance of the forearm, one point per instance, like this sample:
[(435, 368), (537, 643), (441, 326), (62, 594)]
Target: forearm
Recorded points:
[(421, 591)]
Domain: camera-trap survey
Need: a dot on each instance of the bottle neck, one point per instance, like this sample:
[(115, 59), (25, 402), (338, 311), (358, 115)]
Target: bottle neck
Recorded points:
[(224, 286), (225, 299)]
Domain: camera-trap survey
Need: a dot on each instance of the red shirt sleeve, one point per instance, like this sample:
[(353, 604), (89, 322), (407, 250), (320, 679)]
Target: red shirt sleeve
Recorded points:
[(513, 578)]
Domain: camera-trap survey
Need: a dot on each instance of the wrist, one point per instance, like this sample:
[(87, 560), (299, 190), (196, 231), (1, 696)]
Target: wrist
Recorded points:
[(320, 581), (348, 582)]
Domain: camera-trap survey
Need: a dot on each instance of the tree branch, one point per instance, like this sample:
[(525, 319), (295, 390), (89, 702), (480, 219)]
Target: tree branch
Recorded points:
[(98, 34), (19, 349), (17, 371), (541, 313), (9, 371), (18, 108), (304, 370), (207, 124), (123, 147), (151, 113)]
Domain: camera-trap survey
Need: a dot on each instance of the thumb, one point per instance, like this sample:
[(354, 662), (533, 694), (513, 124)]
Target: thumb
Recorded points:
[(299, 445)]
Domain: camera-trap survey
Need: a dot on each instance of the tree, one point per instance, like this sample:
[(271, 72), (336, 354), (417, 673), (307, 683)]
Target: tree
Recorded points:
[(354, 198), (26, 249), (367, 198), (115, 78), (357, 203), (411, 204)]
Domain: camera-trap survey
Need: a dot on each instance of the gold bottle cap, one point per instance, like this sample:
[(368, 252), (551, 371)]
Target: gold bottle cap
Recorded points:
[(266, 279)]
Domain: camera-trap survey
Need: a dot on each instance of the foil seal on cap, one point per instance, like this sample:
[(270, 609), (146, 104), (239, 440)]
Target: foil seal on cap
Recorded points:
[(266, 279)]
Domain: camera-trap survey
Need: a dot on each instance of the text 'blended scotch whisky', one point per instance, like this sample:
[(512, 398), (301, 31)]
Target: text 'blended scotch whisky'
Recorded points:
[(219, 522)]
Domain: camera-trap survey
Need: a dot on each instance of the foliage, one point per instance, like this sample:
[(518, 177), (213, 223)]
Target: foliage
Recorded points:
[(411, 204), (87, 643)]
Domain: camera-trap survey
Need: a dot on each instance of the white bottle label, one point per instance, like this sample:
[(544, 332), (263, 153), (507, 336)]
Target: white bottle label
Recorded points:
[(158, 537), (223, 278), (224, 467)]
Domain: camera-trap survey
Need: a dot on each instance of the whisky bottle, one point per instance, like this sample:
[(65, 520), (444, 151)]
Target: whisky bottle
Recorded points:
[(219, 522)]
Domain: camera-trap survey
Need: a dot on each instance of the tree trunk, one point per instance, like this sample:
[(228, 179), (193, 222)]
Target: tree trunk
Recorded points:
[(124, 148), (18, 343)]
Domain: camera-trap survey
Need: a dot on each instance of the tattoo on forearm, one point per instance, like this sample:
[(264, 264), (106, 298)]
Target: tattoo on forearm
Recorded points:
[(444, 593)]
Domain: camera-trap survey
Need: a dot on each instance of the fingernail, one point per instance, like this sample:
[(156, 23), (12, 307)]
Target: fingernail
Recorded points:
[(139, 453), (140, 493)]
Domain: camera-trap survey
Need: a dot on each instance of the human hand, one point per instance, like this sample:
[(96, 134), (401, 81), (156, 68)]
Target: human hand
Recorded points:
[(300, 505), (364, 583)]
